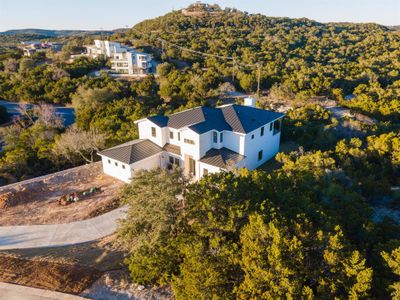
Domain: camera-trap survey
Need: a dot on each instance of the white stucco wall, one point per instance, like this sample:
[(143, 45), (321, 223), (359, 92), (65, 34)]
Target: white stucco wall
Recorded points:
[(149, 163), (234, 141), (268, 143), (189, 149), (116, 171), (211, 169), (144, 127), (165, 159)]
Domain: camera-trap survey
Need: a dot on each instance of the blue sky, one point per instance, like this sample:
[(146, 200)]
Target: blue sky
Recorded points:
[(111, 14)]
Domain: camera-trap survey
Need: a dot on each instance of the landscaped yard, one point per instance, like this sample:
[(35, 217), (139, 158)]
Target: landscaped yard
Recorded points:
[(37, 202)]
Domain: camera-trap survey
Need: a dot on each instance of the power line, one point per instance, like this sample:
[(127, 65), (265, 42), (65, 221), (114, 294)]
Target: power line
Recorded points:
[(231, 58)]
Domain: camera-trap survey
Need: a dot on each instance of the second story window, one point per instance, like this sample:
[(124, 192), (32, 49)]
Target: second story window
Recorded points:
[(221, 137), (262, 131), (215, 137), (187, 141), (153, 132), (171, 135), (277, 126)]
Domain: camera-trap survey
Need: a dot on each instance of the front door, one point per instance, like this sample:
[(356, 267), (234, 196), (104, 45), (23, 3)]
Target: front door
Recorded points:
[(190, 165)]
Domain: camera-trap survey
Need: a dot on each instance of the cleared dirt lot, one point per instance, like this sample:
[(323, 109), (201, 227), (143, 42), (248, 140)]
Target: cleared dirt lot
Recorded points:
[(36, 202), (69, 269)]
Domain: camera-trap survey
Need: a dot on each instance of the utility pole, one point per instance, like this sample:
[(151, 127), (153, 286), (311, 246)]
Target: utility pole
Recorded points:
[(233, 70), (162, 48), (258, 79)]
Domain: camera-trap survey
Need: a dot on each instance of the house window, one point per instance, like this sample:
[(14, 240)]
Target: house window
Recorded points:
[(179, 136), (187, 141), (109, 161), (171, 160), (116, 164), (271, 125), (171, 135), (262, 131), (260, 155), (123, 166), (252, 136), (215, 137), (277, 126), (153, 132), (205, 172), (192, 166), (221, 137)]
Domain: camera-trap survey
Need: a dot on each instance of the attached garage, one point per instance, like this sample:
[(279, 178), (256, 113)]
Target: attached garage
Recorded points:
[(124, 160)]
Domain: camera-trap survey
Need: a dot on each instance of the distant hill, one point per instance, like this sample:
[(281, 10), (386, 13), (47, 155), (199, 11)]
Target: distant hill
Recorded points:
[(48, 33)]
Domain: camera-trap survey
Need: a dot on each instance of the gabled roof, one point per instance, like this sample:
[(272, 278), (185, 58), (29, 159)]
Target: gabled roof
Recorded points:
[(132, 152), (221, 158), (237, 118)]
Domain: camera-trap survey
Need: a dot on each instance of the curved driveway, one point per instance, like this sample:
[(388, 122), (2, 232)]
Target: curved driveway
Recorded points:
[(36, 236)]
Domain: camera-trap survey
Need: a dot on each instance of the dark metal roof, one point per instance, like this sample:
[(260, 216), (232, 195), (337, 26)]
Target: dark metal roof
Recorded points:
[(221, 158), (237, 118), (160, 121), (172, 149), (133, 151), (245, 119)]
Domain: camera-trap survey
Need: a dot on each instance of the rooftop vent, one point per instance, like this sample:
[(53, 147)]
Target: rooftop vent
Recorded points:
[(249, 101)]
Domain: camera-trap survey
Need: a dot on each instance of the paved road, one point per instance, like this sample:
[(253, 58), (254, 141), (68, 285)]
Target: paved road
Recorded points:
[(67, 113), (18, 292), (36, 236)]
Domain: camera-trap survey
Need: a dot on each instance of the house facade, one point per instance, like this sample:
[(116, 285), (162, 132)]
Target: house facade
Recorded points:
[(124, 60), (201, 141)]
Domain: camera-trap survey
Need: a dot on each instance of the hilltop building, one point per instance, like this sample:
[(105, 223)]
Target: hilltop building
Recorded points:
[(124, 60), (201, 140)]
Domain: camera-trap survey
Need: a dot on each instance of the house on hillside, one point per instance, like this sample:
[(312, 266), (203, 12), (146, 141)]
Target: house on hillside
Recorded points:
[(31, 47), (124, 60), (201, 140)]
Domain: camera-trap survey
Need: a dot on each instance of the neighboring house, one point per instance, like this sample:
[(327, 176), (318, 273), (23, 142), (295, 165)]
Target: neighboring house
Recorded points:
[(31, 47), (201, 140), (124, 60)]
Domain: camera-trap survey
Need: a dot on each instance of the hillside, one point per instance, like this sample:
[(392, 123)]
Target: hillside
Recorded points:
[(53, 33), (305, 56)]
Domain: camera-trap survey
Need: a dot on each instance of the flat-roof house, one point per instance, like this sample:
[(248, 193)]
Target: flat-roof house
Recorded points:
[(201, 140), (124, 60)]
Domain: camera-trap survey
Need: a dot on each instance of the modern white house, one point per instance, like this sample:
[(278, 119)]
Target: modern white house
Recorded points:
[(201, 140), (124, 60)]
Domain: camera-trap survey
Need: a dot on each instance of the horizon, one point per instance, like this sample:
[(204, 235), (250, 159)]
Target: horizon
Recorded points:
[(63, 15)]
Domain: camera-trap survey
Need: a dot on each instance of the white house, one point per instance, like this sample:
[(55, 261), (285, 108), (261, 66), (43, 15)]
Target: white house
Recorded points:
[(201, 140), (124, 60)]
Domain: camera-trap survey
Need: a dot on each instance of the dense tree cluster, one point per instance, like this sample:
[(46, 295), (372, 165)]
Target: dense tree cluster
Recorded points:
[(304, 230), (33, 80), (305, 57)]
